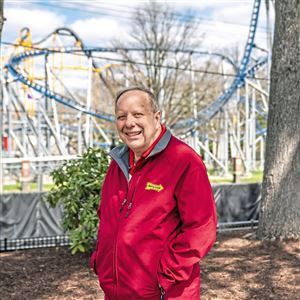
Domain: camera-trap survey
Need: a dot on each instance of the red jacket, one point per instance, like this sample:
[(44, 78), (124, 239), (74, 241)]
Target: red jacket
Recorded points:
[(156, 227)]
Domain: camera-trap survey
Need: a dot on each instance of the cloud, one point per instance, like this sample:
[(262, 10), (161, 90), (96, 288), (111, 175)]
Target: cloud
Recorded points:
[(99, 31), (224, 22), (239, 13), (40, 22), (228, 25)]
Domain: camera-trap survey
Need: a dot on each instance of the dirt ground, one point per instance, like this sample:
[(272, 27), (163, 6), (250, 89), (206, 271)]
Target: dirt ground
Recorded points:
[(238, 267)]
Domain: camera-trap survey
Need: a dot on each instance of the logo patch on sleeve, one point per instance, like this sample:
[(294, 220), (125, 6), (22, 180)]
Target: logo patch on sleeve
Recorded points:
[(154, 187)]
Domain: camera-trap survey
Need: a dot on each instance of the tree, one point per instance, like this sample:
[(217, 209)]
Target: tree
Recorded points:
[(280, 209), (167, 41), (1, 17)]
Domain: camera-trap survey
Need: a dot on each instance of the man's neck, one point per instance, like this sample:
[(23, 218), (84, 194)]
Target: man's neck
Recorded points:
[(137, 155)]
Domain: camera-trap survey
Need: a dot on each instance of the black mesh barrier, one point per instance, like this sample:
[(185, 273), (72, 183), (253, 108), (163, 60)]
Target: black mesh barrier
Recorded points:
[(237, 202), (28, 215), (27, 221)]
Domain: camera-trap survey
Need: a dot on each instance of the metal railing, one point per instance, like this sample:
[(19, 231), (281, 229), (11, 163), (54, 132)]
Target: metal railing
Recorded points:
[(34, 242), (64, 240), (239, 225)]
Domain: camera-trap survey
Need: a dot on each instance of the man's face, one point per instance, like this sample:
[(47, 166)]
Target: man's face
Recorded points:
[(138, 126)]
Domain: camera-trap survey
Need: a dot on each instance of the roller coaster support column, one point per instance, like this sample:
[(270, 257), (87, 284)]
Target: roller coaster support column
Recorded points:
[(56, 130), (88, 131), (262, 153), (226, 136), (195, 134), (213, 157), (79, 134), (269, 39), (206, 157), (46, 101), (247, 131), (253, 130), (226, 142), (223, 142), (238, 153), (9, 119), (260, 140), (238, 117), (39, 152)]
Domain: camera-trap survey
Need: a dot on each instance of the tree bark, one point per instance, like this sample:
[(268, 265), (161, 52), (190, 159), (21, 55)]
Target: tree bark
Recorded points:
[(1, 17), (280, 209)]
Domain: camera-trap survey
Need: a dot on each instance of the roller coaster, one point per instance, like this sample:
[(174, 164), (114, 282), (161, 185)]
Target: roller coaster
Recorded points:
[(47, 118)]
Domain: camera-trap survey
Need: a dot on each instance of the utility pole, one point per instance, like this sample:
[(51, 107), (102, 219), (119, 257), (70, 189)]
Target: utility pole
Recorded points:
[(1, 99)]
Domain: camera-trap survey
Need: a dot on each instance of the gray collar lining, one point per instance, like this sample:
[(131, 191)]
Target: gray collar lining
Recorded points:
[(121, 153)]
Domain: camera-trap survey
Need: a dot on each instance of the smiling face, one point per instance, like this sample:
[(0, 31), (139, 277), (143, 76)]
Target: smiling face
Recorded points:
[(137, 124)]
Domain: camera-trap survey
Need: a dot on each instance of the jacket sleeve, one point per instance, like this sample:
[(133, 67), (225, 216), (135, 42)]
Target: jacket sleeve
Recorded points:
[(92, 260), (197, 234)]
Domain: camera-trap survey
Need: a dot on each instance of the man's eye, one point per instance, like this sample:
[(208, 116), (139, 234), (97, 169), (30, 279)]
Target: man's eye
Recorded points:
[(120, 118), (138, 115)]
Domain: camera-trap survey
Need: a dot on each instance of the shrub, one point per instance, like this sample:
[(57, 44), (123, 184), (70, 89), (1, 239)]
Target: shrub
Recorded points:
[(77, 186)]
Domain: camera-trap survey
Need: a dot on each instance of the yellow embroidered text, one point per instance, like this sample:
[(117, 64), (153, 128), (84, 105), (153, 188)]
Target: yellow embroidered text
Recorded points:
[(154, 187)]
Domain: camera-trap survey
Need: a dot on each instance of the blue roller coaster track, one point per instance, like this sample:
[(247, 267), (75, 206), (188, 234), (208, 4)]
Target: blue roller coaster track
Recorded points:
[(210, 111), (203, 116)]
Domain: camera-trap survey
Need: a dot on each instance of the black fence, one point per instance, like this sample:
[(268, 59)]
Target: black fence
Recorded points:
[(244, 225), (35, 242), (60, 241)]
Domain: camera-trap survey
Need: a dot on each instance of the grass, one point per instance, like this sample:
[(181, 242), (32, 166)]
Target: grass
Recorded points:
[(17, 187), (255, 176)]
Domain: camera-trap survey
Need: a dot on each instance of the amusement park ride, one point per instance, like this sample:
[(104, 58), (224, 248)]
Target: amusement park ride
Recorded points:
[(47, 117)]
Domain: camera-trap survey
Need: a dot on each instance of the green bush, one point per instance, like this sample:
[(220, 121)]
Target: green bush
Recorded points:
[(77, 185)]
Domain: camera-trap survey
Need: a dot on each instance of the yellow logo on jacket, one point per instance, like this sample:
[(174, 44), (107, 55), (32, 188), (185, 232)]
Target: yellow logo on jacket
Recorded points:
[(154, 187)]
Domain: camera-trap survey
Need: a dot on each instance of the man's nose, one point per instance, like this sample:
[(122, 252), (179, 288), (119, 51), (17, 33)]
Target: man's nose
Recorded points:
[(130, 121)]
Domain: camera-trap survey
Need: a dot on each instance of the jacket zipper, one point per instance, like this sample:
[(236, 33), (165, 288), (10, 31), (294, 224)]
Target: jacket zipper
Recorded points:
[(115, 269), (131, 196)]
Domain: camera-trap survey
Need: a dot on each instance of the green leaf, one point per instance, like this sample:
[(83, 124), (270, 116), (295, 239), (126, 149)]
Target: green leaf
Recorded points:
[(77, 186)]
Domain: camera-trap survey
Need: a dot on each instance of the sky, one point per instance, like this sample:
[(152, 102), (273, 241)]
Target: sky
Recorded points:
[(225, 24)]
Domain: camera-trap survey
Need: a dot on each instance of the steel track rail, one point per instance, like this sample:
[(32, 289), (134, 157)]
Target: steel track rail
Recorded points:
[(203, 116)]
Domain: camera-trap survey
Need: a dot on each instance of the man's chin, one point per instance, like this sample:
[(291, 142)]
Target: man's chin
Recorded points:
[(134, 145)]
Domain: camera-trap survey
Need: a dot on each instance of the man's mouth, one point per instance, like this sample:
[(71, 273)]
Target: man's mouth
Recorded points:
[(133, 133)]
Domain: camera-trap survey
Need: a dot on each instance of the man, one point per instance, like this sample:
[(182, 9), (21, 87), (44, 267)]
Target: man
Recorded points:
[(157, 212)]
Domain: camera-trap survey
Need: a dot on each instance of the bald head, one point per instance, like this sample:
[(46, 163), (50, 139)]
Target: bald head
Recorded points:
[(136, 89)]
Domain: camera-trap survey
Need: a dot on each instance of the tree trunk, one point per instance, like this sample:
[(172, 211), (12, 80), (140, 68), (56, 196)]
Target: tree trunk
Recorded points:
[(280, 210), (1, 17)]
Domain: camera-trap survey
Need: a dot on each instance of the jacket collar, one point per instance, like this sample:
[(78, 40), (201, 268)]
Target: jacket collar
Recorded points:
[(121, 153)]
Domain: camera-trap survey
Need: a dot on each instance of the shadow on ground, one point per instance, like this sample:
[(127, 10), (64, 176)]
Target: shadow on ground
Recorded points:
[(238, 268), (47, 273)]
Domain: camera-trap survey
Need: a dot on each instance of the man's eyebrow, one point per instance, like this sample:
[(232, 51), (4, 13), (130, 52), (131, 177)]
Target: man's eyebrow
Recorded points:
[(120, 111)]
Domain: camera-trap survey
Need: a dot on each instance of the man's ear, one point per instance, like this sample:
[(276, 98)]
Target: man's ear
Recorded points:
[(157, 116)]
